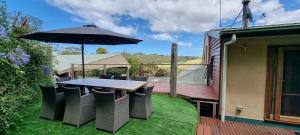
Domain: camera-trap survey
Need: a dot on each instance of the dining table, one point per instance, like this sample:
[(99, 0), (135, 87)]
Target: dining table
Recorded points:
[(128, 85)]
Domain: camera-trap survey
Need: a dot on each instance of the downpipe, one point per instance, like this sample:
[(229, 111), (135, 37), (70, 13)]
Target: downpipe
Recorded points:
[(224, 76)]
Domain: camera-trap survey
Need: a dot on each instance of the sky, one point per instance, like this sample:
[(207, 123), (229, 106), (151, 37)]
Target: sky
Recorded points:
[(158, 22)]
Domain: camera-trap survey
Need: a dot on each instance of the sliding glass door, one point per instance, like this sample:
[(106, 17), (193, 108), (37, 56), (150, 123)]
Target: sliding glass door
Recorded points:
[(284, 90), (290, 85)]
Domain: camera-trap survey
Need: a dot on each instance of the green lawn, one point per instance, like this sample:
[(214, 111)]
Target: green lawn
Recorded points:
[(172, 116)]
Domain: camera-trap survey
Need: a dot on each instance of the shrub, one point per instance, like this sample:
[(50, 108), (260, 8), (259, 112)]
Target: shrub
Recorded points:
[(94, 73), (135, 65), (150, 69), (21, 64), (161, 72), (116, 71)]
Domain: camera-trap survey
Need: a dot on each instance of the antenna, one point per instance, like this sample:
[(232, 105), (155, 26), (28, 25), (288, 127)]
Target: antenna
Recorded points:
[(220, 14), (246, 14), (263, 15)]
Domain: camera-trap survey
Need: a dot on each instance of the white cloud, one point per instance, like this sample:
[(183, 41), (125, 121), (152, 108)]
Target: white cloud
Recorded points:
[(163, 36), (94, 11), (275, 12), (167, 16), (171, 38), (185, 44), (162, 15), (76, 19)]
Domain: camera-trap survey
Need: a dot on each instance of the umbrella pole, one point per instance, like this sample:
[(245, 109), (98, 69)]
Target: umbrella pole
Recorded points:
[(82, 57)]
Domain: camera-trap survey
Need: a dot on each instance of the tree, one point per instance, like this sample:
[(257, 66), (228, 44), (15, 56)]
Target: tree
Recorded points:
[(101, 50), (71, 51), (135, 65)]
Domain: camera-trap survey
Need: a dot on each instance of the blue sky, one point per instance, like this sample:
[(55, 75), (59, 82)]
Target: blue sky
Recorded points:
[(158, 23)]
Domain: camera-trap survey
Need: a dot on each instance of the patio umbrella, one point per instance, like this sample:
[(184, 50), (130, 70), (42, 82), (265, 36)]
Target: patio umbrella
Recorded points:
[(88, 34)]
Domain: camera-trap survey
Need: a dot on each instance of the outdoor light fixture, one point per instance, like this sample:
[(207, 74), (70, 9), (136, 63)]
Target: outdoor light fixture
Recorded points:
[(239, 110)]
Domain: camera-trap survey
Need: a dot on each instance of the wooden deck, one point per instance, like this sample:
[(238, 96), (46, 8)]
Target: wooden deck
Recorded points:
[(191, 91), (217, 127)]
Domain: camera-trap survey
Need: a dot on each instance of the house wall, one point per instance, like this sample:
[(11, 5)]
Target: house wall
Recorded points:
[(214, 51), (246, 74)]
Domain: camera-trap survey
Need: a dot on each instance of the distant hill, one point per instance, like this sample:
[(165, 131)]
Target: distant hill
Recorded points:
[(157, 59)]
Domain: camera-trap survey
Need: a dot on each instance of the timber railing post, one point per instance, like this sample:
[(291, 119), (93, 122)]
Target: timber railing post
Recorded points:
[(104, 69), (72, 71), (141, 72), (128, 75), (173, 80)]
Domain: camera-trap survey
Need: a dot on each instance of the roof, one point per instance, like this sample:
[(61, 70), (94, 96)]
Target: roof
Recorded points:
[(267, 30), (64, 62)]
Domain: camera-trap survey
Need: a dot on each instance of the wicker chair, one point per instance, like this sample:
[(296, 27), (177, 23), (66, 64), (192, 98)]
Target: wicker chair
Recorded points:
[(141, 78), (111, 114), (79, 108), (105, 76), (141, 104), (103, 89), (61, 79), (53, 103), (120, 77)]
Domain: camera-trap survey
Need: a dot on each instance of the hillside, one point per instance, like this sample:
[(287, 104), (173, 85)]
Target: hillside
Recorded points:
[(182, 67), (159, 59)]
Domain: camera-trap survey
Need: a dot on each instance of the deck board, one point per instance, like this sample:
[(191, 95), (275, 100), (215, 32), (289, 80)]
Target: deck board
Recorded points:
[(188, 90), (236, 128)]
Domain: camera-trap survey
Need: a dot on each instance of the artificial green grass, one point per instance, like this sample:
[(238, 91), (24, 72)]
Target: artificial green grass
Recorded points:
[(171, 116)]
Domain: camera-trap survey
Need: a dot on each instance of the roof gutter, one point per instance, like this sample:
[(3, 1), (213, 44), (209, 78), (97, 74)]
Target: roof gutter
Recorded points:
[(224, 75)]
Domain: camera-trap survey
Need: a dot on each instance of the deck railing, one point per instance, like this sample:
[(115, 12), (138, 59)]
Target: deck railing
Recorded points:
[(186, 73)]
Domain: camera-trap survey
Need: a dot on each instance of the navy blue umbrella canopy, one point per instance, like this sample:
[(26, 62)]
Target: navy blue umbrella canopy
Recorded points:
[(88, 34)]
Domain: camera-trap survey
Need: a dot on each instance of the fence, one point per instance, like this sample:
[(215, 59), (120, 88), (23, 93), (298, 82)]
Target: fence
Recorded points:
[(186, 73)]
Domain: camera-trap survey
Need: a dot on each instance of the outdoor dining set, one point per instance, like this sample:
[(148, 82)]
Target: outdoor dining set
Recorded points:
[(109, 101)]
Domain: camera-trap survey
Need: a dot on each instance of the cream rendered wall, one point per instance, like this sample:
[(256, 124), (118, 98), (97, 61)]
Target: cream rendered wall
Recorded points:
[(246, 80)]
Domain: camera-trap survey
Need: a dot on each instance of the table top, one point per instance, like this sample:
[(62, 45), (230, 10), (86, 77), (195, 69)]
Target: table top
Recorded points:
[(128, 85)]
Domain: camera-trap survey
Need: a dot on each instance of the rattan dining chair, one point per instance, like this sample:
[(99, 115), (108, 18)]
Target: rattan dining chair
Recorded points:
[(61, 79), (105, 76), (120, 77), (141, 78), (111, 114), (53, 103), (141, 103), (79, 108)]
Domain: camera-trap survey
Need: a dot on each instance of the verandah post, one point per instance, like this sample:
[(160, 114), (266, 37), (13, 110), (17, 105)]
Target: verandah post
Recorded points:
[(173, 79)]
